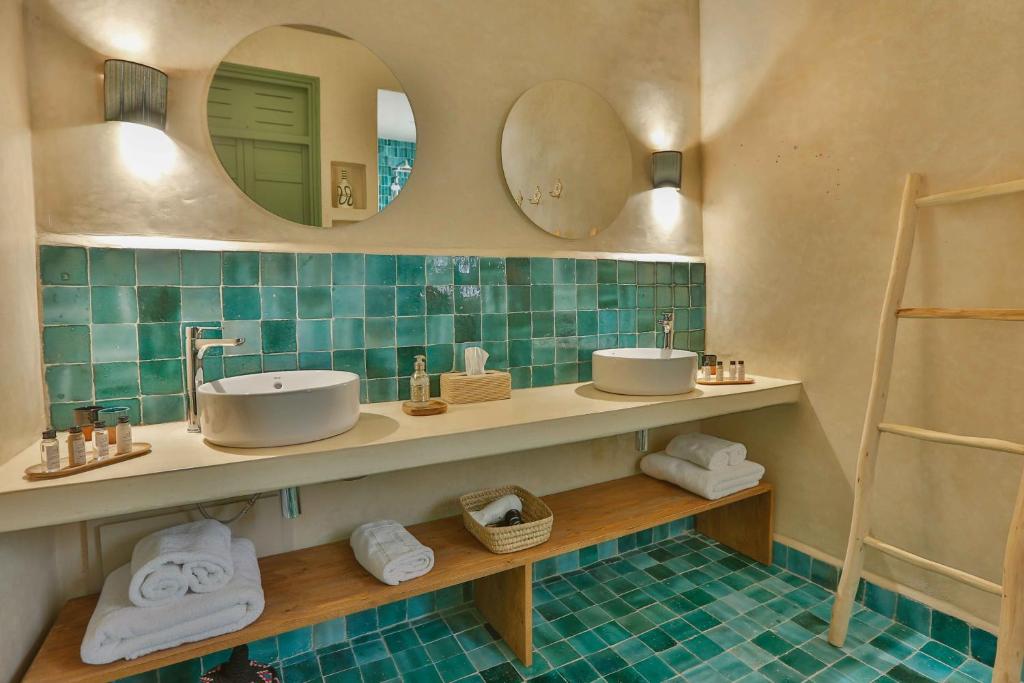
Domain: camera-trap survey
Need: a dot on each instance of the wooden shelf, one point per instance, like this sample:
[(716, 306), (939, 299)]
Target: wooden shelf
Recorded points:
[(316, 584)]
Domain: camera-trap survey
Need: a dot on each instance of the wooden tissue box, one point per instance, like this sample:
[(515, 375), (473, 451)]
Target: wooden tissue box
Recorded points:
[(458, 387)]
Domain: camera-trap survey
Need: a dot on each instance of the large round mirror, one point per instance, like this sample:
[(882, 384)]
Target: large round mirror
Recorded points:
[(311, 125), (566, 159)]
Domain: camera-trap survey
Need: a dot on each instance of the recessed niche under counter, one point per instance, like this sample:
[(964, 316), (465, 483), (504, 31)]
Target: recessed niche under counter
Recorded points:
[(184, 469)]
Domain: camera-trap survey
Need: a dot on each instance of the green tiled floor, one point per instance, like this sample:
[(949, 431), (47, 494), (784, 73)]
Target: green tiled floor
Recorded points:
[(683, 609)]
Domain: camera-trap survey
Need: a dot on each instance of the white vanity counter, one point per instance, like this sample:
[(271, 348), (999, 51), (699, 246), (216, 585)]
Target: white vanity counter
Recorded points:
[(184, 469)]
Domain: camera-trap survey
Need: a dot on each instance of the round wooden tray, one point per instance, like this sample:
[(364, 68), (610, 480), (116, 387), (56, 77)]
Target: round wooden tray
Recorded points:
[(431, 407), (711, 383), (37, 473)]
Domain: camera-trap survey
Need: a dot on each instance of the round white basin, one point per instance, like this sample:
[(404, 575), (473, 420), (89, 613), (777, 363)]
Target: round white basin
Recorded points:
[(278, 408), (645, 372)]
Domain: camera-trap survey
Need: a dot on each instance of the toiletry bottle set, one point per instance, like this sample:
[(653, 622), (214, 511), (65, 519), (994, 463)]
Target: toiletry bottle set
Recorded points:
[(715, 370), (104, 438)]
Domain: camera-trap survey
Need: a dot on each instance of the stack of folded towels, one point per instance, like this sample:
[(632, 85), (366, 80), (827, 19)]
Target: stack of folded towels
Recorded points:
[(184, 584), (706, 465), (389, 552)]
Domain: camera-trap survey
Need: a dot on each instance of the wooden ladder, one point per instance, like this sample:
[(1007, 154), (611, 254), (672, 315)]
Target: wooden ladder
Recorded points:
[(1010, 652)]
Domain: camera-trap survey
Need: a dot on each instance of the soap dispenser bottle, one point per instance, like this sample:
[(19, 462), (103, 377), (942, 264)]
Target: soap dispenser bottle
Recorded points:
[(419, 383)]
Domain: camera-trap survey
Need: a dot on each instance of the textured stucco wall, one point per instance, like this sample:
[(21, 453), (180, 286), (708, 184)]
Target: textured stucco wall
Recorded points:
[(813, 114), (462, 63)]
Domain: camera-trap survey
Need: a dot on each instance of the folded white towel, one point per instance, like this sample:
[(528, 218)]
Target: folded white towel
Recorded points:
[(171, 562), (390, 553), (710, 484), (120, 630), (705, 450), (496, 510)]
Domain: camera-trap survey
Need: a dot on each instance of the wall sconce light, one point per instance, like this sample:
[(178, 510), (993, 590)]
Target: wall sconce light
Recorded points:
[(134, 93), (667, 169)]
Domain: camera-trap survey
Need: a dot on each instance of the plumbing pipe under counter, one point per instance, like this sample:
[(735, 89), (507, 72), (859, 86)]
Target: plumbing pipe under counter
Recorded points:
[(185, 469)]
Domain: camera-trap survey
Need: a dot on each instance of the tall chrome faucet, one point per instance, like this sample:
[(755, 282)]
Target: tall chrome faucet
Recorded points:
[(668, 326), (196, 346)]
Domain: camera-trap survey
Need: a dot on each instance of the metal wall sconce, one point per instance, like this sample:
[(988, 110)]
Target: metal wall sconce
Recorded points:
[(134, 93), (667, 169)]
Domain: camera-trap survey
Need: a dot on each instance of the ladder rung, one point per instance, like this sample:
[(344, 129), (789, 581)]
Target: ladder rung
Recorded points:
[(957, 196), (1004, 314), (932, 565), (954, 439)]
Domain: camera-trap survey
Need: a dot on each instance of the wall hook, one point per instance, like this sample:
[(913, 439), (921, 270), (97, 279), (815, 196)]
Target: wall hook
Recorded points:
[(535, 197), (556, 191)]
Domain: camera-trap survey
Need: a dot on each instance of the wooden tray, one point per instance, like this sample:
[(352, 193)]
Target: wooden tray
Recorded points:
[(37, 473), (431, 407), (711, 383)]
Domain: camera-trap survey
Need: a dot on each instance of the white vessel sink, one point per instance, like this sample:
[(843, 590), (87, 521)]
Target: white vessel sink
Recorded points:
[(278, 408), (645, 372)]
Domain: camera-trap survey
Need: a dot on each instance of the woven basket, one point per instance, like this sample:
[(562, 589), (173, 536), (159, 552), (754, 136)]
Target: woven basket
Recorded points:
[(535, 529), (458, 387)]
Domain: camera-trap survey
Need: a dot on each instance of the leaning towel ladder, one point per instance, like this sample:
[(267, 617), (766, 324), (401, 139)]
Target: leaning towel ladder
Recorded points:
[(1010, 651)]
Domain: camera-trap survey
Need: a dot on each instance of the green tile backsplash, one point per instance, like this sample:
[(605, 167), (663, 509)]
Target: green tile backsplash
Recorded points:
[(114, 318)]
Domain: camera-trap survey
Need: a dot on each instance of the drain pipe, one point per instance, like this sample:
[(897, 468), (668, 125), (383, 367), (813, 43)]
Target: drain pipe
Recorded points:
[(291, 504), (642, 440)]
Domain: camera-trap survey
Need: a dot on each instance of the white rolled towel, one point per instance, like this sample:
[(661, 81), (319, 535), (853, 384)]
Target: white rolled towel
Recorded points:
[(120, 630), (495, 511), (710, 484), (169, 563), (705, 450), (390, 553)]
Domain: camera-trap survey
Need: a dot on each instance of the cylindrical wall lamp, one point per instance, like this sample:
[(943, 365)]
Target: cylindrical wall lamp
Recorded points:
[(667, 169), (134, 93)]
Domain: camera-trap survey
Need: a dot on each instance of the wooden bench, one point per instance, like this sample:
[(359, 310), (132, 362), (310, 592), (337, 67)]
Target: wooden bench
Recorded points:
[(313, 585)]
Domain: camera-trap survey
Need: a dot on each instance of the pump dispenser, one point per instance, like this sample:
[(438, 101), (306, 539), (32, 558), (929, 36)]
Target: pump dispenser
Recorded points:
[(419, 383)]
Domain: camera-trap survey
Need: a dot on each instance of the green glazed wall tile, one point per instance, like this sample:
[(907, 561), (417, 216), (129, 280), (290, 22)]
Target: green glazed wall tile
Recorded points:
[(493, 299), (607, 272), (66, 305), (241, 303), (697, 295), (466, 270), (492, 271), (542, 271), (111, 266), (158, 305), (543, 324), (467, 328), (521, 377), (543, 375), (278, 303), (116, 380), (607, 296), (348, 301), (697, 273), (663, 273), (681, 273), (241, 268), (681, 296), (381, 270), (115, 343), (161, 377), (412, 270), (520, 352), (277, 270), (586, 323), (314, 270), (280, 362), (520, 325), (278, 336), (586, 297), (381, 363), (467, 299), (410, 331), (242, 365), (353, 360), (63, 266), (379, 301), (517, 271), (158, 266), (565, 324), (518, 298), (586, 272), (566, 373), (114, 305), (440, 270), (440, 299), (440, 329), (543, 351), (645, 273), (410, 300), (157, 409), (380, 332), (607, 321), (542, 298), (314, 335), (440, 358), (627, 295), (565, 297), (494, 327), (382, 390), (249, 330), (201, 268), (564, 271), (69, 383), (160, 340), (626, 272), (66, 344), (315, 360), (314, 302), (200, 303), (348, 269)]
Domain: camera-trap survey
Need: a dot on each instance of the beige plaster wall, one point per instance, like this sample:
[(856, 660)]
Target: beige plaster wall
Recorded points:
[(813, 113), (462, 63), (28, 586), (350, 76)]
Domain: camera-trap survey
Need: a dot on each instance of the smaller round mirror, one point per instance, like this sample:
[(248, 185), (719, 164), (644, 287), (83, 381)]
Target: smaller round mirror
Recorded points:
[(566, 159), (311, 125)]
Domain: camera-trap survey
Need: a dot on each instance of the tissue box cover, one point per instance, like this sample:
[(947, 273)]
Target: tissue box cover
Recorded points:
[(458, 387)]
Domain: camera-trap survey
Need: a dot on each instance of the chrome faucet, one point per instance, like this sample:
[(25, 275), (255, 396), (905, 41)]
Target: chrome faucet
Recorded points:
[(196, 346), (667, 321)]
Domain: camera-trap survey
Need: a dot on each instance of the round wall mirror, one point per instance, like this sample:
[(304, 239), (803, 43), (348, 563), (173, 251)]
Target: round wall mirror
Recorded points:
[(566, 159), (311, 125)]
